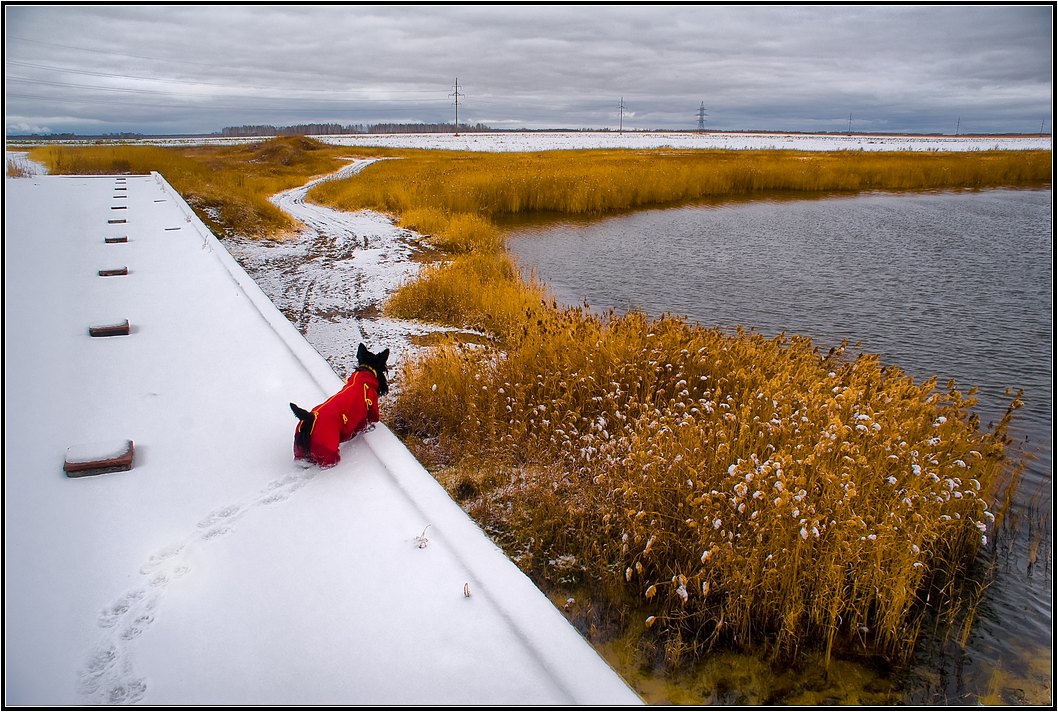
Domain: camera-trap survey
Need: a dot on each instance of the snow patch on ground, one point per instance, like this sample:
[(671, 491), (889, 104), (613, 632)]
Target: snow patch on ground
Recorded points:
[(21, 162), (332, 279)]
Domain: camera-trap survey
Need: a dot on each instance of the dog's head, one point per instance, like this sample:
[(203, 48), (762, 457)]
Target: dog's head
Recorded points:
[(377, 363)]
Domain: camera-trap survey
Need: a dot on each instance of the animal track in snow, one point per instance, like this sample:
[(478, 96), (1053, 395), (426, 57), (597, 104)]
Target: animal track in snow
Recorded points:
[(113, 613), (107, 677), (219, 515), (160, 557), (136, 627)]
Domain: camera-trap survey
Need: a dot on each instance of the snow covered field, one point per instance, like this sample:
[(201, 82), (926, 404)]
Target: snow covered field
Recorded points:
[(217, 571), (568, 140), (547, 141)]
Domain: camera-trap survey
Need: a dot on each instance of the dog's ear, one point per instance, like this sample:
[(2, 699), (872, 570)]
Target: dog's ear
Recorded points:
[(362, 353), (383, 357)]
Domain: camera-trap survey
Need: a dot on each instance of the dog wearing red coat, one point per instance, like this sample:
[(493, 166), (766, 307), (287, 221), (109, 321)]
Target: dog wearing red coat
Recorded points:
[(345, 414)]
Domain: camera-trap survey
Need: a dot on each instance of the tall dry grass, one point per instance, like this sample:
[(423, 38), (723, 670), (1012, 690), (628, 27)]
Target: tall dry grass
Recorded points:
[(227, 186), (706, 488), (714, 488), (595, 182)]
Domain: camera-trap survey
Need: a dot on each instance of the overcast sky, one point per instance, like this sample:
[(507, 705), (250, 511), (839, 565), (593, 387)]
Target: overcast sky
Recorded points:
[(160, 69)]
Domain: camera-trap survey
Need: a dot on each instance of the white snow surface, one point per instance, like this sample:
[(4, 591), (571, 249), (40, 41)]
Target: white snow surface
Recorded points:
[(218, 571), (528, 141), (552, 141), (82, 453)]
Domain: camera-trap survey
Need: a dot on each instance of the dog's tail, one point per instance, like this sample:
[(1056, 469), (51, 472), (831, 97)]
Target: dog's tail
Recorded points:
[(304, 429)]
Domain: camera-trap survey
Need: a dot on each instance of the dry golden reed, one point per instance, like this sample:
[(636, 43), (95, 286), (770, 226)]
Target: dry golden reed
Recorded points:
[(596, 182), (708, 488), (722, 488)]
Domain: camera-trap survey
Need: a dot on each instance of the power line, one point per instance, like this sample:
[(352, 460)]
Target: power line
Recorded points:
[(113, 54), (71, 70), (621, 106), (180, 104), (178, 96)]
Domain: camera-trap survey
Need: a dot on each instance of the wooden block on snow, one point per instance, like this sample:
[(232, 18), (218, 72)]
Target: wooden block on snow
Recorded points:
[(120, 328), (115, 240), (99, 458), (116, 221), (114, 272)]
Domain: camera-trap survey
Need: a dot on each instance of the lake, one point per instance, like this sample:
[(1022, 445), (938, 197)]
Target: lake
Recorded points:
[(953, 284)]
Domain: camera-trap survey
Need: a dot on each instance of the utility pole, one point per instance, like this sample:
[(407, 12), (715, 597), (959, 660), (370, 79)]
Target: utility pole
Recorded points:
[(957, 122), (456, 94), (621, 106), (701, 118), (850, 123)]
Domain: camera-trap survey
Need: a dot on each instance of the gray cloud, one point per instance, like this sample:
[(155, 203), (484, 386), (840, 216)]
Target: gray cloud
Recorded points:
[(198, 68)]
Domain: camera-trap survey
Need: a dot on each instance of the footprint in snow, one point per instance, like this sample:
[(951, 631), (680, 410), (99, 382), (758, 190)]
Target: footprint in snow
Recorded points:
[(219, 515), (136, 627), (110, 615), (160, 557), (108, 677), (214, 533)]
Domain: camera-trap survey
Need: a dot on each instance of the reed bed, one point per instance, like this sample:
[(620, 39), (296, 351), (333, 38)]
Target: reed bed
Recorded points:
[(714, 488), (597, 182), (227, 186), (704, 488)]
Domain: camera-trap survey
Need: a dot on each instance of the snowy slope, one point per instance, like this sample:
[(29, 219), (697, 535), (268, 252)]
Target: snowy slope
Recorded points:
[(217, 571)]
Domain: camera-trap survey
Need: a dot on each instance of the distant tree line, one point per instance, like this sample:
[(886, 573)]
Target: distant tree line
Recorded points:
[(297, 130), (331, 129), (425, 128)]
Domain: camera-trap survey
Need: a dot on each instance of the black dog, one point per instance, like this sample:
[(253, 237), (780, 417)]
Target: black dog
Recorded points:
[(342, 416)]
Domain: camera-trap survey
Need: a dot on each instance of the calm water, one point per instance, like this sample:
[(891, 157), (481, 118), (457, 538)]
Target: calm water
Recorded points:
[(958, 285)]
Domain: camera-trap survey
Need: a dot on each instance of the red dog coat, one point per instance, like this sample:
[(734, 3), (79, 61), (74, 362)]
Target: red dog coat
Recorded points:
[(339, 418)]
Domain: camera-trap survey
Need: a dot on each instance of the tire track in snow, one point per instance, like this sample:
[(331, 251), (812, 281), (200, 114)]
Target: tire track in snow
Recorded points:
[(333, 277), (108, 676)]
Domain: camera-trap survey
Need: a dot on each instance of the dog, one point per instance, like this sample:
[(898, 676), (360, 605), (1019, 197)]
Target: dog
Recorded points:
[(345, 414)]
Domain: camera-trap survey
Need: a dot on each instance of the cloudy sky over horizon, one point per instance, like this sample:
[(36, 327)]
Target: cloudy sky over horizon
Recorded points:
[(159, 69)]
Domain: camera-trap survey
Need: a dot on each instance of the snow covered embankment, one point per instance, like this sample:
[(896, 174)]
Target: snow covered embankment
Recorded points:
[(333, 277)]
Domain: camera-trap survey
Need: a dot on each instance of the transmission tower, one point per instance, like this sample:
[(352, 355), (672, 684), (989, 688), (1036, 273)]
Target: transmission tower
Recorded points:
[(456, 94), (621, 106), (701, 118)]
